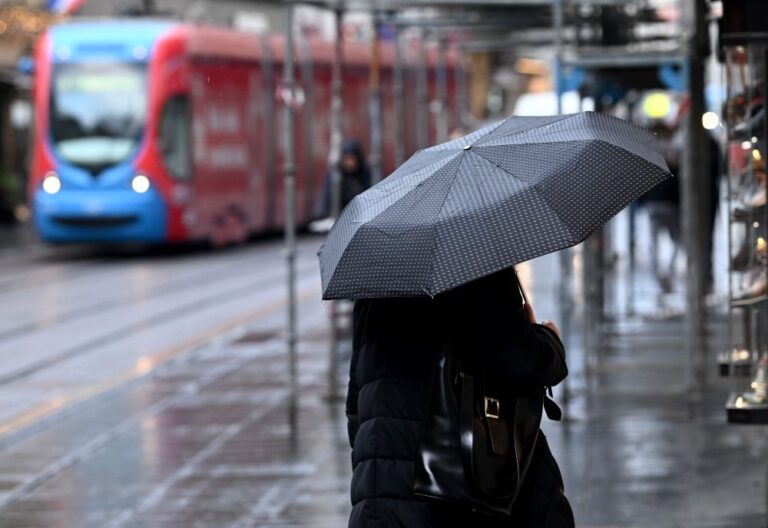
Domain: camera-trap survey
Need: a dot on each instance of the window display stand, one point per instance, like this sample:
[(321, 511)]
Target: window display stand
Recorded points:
[(746, 362)]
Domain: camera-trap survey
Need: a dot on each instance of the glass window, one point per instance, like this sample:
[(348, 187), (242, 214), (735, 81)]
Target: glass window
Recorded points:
[(174, 137), (98, 112)]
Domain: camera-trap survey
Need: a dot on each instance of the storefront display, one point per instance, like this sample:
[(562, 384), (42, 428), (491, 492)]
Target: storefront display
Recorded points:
[(746, 363)]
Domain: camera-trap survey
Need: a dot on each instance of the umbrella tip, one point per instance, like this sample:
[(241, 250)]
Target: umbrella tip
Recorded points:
[(467, 147)]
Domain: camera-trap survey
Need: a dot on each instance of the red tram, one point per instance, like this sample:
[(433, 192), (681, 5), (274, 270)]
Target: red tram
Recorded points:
[(158, 131)]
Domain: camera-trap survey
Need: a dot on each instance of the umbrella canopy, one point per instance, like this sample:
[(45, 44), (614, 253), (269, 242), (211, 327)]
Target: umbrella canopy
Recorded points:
[(504, 194)]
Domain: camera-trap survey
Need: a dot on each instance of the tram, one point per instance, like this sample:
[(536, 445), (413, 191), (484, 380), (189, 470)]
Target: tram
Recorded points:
[(161, 132)]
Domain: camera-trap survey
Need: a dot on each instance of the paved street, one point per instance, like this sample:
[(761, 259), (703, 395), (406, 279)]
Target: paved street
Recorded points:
[(135, 384), (149, 389)]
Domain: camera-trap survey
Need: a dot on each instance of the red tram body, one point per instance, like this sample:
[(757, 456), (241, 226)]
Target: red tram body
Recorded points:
[(201, 153)]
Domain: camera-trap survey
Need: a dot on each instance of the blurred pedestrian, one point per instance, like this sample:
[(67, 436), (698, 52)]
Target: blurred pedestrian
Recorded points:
[(663, 206), (397, 343), (711, 179), (355, 177)]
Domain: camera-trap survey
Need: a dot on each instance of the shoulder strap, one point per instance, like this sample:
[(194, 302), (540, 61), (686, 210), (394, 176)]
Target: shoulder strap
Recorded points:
[(553, 410)]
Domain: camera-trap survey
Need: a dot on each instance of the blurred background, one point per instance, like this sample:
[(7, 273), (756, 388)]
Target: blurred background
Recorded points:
[(166, 181)]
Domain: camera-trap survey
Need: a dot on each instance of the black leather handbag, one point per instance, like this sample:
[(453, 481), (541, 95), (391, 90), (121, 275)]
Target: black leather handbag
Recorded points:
[(476, 443)]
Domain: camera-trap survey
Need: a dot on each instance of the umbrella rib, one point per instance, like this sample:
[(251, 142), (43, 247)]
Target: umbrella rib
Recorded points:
[(537, 142), (534, 187), (515, 176), (633, 154), (519, 132), (490, 131), (437, 222), (447, 160)]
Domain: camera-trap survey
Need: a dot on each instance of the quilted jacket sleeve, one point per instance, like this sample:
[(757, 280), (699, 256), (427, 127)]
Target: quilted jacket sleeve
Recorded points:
[(526, 353), (549, 349), (353, 389)]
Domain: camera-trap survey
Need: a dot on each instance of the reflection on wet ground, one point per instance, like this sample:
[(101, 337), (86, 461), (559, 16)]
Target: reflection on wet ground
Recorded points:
[(183, 421), (203, 442)]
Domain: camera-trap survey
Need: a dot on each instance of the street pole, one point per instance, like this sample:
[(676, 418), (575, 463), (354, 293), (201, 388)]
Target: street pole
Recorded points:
[(695, 195), (335, 175), (336, 116), (460, 75), (441, 120), (289, 177), (564, 256), (557, 22), (422, 110), (399, 92), (375, 99)]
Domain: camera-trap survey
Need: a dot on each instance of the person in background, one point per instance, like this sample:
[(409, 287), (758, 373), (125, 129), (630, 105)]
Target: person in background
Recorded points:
[(711, 179), (663, 206), (354, 173)]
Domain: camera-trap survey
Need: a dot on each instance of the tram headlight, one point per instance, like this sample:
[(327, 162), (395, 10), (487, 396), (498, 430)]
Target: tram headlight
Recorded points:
[(140, 184), (51, 183)]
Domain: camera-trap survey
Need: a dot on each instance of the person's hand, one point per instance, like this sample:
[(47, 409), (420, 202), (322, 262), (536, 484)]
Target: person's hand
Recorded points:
[(531, 315), (552, 326)]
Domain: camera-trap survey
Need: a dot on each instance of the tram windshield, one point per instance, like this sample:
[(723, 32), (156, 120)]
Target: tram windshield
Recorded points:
[(98, 112)]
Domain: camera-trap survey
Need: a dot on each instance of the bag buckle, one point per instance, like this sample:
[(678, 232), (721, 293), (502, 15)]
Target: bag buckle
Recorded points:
[(492, 408)]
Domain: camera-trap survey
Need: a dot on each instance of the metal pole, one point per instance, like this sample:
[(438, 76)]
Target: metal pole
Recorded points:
[(399, 92), (565, 300), (289, 178), (374, 100), (422, 95), (441, 117), (335, 174), (336, 117), (557, 22), (695, 190), (461, 88)]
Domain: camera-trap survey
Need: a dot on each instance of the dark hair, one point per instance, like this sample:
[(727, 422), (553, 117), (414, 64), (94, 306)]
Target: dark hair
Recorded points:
[(484, 303)]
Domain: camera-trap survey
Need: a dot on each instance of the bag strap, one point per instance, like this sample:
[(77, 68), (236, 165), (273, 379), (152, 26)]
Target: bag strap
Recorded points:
[(553, 410), (466, 423)]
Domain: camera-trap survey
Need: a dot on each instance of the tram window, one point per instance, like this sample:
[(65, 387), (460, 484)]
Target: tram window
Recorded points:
[(174, 137)]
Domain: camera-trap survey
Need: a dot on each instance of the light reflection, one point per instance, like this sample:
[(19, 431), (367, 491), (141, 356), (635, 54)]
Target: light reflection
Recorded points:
[(710, 120), (144, 365)]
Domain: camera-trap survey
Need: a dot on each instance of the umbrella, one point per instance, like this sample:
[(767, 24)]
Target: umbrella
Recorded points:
[(507, 193)]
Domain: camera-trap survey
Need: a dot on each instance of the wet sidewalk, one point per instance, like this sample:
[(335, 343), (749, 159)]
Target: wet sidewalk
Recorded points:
[(206, 441)]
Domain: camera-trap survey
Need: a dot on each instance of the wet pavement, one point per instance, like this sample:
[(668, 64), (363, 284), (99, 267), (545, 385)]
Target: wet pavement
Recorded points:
[(149, 389)]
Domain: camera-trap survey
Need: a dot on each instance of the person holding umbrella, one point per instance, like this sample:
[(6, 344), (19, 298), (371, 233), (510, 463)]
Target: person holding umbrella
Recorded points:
[(450, 372)]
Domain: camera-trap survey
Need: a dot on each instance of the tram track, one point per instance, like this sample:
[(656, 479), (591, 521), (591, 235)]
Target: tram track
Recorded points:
[(165, 286), (41, 265), (130, 381), (82, 335), (69, 459), (38, 272), (64, 264), (163, 317)]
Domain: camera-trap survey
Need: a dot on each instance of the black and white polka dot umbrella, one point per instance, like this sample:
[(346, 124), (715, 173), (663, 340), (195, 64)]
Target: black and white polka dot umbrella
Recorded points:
[(507, 193)]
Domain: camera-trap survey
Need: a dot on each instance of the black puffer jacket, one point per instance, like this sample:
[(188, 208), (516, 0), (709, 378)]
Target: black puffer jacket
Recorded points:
[(396, 342)]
